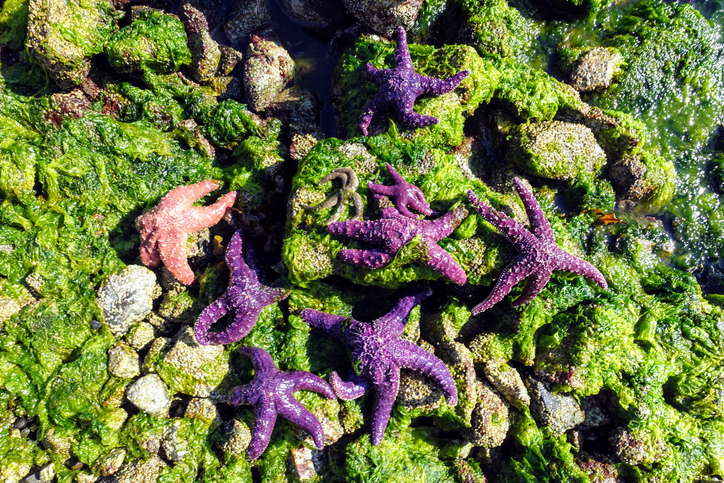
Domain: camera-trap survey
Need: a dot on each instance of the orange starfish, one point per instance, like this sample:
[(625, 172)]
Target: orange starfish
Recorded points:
[(164, 229)]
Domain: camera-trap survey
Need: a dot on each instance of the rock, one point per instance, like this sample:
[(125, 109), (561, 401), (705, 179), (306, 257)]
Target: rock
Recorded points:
[(157, 348), (10, 306), (459, 361), (230, 58), (213, 11), (141, 335), (71, 104), (203, 409), (555, 150), (628, 177), (297, 108), (139, 471), (268, 68), (384, 16), (149, 394), (43, 475), (323, 16), (123, 361), (202, 368), (205, 52), (65, 58), (417, 391), (174, 444), (307, 463), (246, 16), (489, 422), (598, 471), (595, 69), (557, 411), (58, 442), (630, 449), (126, 297), (109, 463), (237, 438), (188, 130), (508, 382)]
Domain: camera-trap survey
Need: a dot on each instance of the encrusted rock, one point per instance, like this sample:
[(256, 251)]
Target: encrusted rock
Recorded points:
[(320, 15), (138, 471), (110, 462), (57, 442), (297, 108), (237, 438), (174, 444), (246, 16), (213, 11), (127, 297), (158, 346), (204, 409), (507, 381), (555, 150), (230, 58), (628, 177), (557, 411), (202, 366), (149, 394), (141, 335), (307, 463), (268, 68), (10, 306), (43, 475), (489, 422), (123, 361), (205, 52), (595, 69), (417, 391), (384, 16)]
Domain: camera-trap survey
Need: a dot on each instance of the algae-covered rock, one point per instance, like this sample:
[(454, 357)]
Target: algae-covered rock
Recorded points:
[(595, 69), (555, 150), (268, 68), (489, 425), (205, 52), (62, 36)]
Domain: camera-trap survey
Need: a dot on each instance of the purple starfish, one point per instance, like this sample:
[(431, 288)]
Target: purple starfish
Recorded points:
[(393, 231), (271, 392), (404, 194), (399, 87), (378, 354), (245, 295), (539, 255)]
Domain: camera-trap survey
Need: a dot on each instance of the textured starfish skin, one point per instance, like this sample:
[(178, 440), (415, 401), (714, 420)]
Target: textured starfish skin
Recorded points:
[(403, 194), (246, 296), (165, 227), (393, 231), (349, 181), (271, 392), (378, 354), (539, 255), (401, 86)]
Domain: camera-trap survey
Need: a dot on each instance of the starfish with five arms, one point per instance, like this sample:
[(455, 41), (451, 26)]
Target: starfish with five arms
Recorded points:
[(378, 354), (399, 87), (271, 392), (165, 227), (349, 181), (393, 231), (539, 255), (403, 193), (246, 296)]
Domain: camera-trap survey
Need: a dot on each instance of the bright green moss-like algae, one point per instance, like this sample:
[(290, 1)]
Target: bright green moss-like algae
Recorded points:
[(71, 189)]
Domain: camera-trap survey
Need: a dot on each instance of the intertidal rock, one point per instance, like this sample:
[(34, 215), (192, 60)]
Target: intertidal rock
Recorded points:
[(123, 361), (628, 177), (245, 17), (149, 394), (559, 412), (324, 16), (237, 438), (110, 462), (489, 423), (595, 69), (268, 68), (126, 298), (507, 381), (384, 16), (138, 471), (205, 52)]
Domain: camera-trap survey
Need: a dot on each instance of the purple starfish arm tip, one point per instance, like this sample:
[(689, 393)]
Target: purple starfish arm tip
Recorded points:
[(404, 195), (539, 254), (348, 390)]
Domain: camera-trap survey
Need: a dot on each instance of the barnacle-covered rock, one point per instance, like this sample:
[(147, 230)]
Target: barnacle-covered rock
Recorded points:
[(595, 69), (127, 297), (236, 438), (384, 16), (489, 423), (559, 412), (246, 16), (205, 52), (268, 68), (149, 394), (139, 471), (123, 361), (507, 381)]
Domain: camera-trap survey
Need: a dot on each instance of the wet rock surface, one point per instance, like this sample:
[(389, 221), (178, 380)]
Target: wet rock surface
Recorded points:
[(138, 471), (489, 423), (508, 382), (236, 438), (205, 52), (149, 394), (384, 16), (123, 361), (560, 412), (244, 17), (127, 297), (268, 68), (628, 177), (595, 69)]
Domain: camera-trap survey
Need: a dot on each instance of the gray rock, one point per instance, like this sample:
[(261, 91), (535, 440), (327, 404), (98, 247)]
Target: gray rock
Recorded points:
[(557, 411), (126, 298), (630, 449), (418, 391), (43, 475), (237, 438), (508, 382), (138, 471), (308, 463), (268, 68), (174, 445), (595, 69), (298, 108), (213, 10), (230, 58), (628, 177), (110, 462), (555, 150), (123, 361), (246, 16), (384, 16), (149, 394), (489, 422), (141, 335), (324, 16)]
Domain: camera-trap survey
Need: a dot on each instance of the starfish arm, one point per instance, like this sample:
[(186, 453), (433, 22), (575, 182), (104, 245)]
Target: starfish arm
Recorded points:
[(244, 321), (264, 419), (406, 354), (374, 105), (149, 247), (364, 258), (337, 211), (185, 196), (513, 273), (414, 119), (533, 286), (330, 323), (397, 178), (342, 176), (513, 231), (333, 200), (402, 55), (172, 248), (569, 263), (538, 221), (358, 206), (292, 410), (241, 273), (367, 231), (346, 175), (348, 390), (381, 189), (373, 74), (441, 227), (443, 263), (436, 86), (392, 324), (310, 382), (263, 363), (385, 395), (197, 218), (206, 319)]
